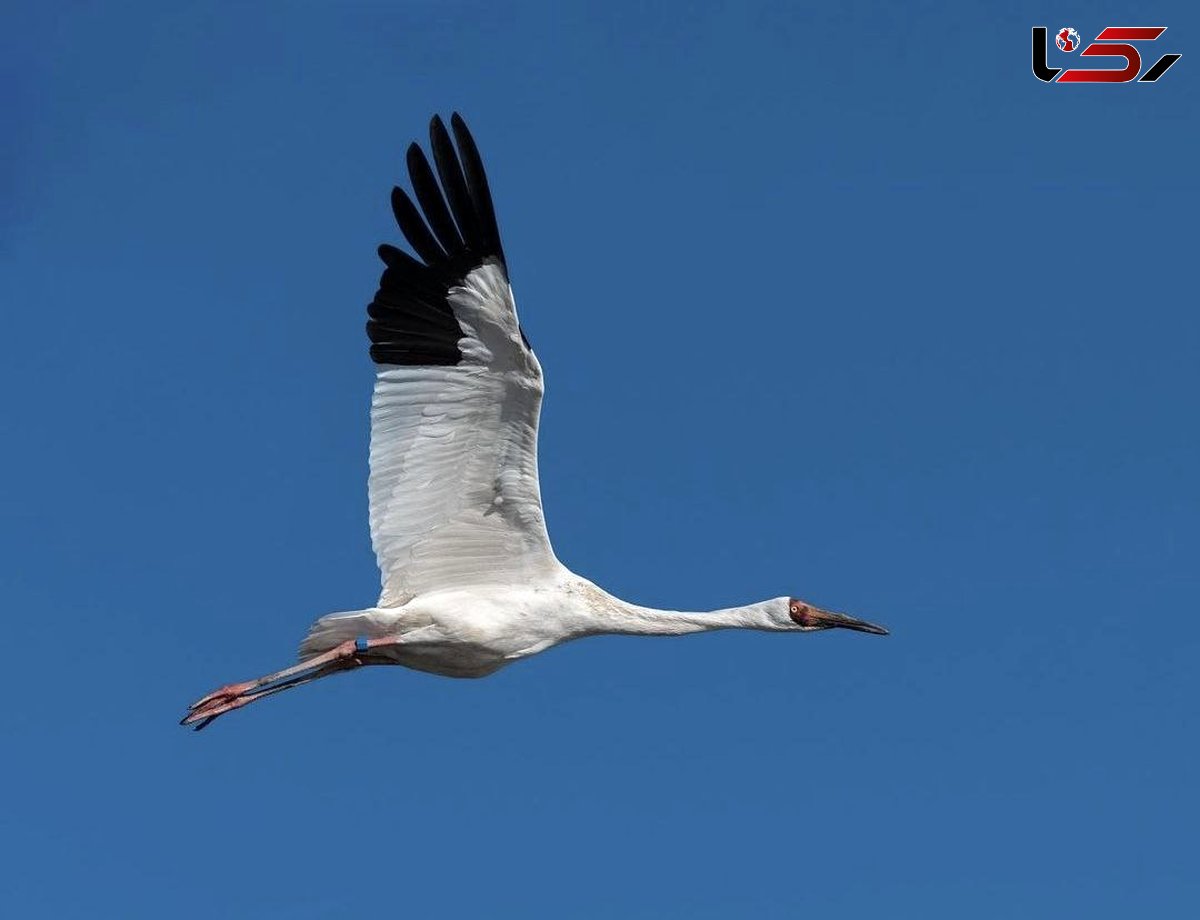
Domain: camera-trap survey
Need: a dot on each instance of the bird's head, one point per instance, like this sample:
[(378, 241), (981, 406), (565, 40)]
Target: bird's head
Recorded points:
[(802, 616)]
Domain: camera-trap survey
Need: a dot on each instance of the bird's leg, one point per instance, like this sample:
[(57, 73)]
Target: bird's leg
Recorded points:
[(348, 655)]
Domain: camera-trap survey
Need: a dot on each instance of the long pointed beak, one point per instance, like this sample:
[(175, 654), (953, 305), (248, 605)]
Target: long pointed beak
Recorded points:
[(827, 619)]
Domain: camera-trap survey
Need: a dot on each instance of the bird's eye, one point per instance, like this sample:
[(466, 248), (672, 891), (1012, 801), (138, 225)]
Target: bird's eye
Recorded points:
[(795, 608)]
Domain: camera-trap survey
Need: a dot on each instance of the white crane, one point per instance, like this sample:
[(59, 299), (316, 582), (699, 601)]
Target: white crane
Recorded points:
[(470, 583)]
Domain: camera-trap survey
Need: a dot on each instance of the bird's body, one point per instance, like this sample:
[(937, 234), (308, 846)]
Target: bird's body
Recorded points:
[(473, 632), (459, 632), (470, 581)]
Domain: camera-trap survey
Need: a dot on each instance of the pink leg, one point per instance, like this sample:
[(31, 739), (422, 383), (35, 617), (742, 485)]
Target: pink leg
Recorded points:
[(347, 656)]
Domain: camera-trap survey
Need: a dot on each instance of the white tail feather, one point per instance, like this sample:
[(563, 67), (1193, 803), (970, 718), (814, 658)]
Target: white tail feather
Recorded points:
[(332, 630)]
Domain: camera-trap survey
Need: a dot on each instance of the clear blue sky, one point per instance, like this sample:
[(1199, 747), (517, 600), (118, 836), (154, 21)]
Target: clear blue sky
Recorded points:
[(839, 303)]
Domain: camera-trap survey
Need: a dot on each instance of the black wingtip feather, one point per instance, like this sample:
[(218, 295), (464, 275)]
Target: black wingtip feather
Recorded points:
[(452, 232), (477, 186), (412, 225), (454, 184), (431, 199)]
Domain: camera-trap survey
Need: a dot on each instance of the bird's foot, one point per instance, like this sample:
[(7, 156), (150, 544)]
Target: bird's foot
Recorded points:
[(229, 691), (219, 702)]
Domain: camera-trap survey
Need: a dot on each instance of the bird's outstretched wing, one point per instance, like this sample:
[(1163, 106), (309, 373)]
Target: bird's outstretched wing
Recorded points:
[(454, 485)]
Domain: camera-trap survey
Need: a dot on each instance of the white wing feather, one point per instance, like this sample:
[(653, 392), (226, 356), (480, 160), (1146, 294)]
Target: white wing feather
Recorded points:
[(454, 495)]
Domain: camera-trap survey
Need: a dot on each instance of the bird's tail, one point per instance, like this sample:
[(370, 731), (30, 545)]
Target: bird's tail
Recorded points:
[(335, 628)]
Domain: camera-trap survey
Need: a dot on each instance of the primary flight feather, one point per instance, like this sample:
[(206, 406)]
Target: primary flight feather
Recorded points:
[(470, 581)]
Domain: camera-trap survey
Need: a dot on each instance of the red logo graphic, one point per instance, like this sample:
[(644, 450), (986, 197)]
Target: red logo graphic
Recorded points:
[(1112, 41), (1067, 39)]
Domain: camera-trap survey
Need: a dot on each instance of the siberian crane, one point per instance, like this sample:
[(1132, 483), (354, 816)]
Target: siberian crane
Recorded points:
[(470, 581)]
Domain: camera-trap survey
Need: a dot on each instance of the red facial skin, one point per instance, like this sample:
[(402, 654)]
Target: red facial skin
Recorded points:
[(801, 613)]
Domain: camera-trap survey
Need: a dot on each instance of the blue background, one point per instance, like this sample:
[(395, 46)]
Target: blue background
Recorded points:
[(833, 302)]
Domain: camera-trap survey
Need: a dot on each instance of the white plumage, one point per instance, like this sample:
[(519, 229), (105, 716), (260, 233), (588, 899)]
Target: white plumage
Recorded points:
[(470, 582), (454, 483)]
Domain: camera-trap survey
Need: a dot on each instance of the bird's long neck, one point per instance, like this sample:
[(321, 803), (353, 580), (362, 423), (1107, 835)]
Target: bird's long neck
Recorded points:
[(610, 614)]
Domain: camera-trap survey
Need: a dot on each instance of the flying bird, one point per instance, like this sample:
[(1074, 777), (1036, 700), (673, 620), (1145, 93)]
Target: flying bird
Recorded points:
[(470, 581)]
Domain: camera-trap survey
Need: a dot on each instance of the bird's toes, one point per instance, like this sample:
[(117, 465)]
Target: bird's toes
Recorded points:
[(201, 715), (227, 692)]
